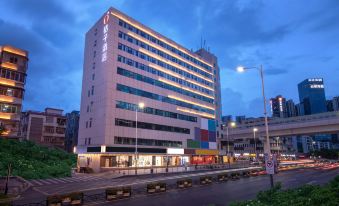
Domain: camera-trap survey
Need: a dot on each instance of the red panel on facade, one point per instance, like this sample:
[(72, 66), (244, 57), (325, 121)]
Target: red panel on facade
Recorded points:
[(204, 135)]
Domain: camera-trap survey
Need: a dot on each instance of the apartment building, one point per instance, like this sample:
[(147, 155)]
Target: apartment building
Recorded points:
[(44, 128), (13, 68), (146, 100)]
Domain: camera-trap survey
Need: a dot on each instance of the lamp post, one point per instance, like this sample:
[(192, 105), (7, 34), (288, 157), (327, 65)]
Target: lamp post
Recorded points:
[(140, 106), (232, 125), (255, 143), (268, 146)]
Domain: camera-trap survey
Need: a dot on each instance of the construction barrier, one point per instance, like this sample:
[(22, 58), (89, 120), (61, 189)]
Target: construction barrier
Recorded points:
[(205, 180), (75, 198), (223, 177), (156, 187), (118, 193), (186, 183)]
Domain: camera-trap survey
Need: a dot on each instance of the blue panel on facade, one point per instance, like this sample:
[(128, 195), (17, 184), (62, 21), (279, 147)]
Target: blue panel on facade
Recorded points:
[(197, 135), (212, 136), (211, 125), (204, 145)]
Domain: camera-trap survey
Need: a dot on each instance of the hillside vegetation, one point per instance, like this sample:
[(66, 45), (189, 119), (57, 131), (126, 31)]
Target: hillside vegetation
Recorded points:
[(32, 161), (310, 195)]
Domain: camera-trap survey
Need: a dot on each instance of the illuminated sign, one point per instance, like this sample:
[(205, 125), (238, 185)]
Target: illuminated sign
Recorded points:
[(104, 39), (317, 86), (175, 151)]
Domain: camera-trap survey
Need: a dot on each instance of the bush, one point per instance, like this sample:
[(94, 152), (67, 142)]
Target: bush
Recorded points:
[(32, 161), (311, 195)]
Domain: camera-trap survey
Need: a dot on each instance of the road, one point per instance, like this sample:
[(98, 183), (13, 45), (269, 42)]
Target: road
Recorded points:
[(217, 193), (220, 194)]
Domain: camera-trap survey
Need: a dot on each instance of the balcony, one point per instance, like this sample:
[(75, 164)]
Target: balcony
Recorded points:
[(9, 116)]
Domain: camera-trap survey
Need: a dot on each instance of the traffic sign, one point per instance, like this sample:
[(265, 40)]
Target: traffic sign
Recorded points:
[(269, 166)]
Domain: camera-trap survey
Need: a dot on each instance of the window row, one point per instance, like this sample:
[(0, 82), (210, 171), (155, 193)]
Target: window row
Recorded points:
[(153, 111), (163, 64), (163, 44), (13, 75), (147, 142), (149, 69), (12, 92), (142, 93), (7, 108), (151, 126), (162, 54), (158, 83)]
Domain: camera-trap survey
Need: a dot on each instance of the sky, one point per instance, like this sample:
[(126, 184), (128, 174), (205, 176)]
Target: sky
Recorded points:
[(293, 40)]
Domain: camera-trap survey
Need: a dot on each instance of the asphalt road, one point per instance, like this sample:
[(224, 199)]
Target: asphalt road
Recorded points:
[(216, 193), (220, 194)]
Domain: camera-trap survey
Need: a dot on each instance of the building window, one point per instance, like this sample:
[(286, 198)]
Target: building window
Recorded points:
[(49, 129), (86, 124), (88, 93), (95, 43), (92, 91), (87, 108), (147, 142), (91, 107), (89, 140), (90, 122), (151, 126), (93, 76), (13, 60), (7, 108), (94, 54), (93, 67)]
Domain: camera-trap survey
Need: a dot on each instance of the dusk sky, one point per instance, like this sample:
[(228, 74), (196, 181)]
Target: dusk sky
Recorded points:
[(293, 40)]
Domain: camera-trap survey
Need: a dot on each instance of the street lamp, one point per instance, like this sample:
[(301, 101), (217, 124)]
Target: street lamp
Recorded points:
[(229, 125), (242, 69), (255, 143), (141, 105)]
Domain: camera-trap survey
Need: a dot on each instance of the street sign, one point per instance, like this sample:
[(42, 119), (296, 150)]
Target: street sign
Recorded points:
[(269, 166)]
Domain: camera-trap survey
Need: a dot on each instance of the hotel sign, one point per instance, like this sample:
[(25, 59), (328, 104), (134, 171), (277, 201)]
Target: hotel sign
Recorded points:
[(104, 39)]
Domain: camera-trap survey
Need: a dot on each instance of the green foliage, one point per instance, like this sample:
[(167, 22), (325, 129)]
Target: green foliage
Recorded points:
[(311, 195), (32, 161)]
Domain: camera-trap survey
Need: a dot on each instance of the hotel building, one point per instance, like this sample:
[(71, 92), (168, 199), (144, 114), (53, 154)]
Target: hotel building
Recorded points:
[(141, 87), (13, 67)]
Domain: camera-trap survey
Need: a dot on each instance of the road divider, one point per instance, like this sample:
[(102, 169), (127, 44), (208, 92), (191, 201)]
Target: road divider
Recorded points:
[(223, 177), (185, 183), (75, 198), (156, 187), (118, 193), (205, 180)]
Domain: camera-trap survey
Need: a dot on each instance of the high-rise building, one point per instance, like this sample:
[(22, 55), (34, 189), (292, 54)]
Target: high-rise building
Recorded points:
[(335, 102), (329, 106), (299, 109), (45, 128), (226, 119), (72, 128), (278, 106), (291, 108), (146, 100), (312, 96), (13, 68)]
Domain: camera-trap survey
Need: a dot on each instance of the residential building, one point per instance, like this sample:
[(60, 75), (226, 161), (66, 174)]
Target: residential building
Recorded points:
[(44, 128), (278, 106), (291, 108), (13, 68), (299, 110), (146, 100), (72, 129), (312, 96)]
